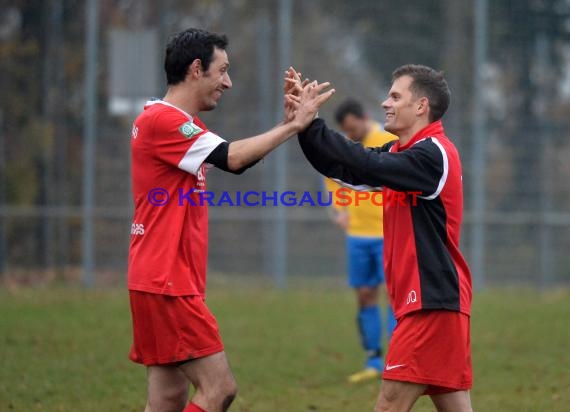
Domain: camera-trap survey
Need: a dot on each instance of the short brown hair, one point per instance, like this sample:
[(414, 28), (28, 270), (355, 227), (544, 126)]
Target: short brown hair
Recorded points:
[(429, 83)]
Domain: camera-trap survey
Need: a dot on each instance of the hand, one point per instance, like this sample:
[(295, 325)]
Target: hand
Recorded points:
[(292, 82), (341, 219), (292, 85), (305, 106)]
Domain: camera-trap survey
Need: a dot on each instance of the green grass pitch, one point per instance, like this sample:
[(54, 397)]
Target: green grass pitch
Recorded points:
[(66, 349)]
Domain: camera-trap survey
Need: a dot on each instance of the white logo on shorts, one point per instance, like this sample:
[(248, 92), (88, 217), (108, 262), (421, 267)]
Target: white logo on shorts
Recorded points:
[(390, 367), (412, 298)]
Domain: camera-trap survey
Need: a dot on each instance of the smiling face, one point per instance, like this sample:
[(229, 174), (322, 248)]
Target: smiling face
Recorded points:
[(405, 111), (214, 81)]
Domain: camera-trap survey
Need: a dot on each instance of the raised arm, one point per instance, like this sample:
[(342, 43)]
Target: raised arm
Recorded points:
[(239, 155), (236, 157), (419, 168)]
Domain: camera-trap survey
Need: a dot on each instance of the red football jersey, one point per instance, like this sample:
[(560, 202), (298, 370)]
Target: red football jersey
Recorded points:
[(424, 266), (423, 210), (169, 234)]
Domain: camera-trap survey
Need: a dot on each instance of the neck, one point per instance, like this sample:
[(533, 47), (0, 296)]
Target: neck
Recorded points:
[(183, 99), (406, 135)]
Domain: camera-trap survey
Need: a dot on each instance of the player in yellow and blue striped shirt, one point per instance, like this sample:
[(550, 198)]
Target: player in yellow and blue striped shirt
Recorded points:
[(363, 225)]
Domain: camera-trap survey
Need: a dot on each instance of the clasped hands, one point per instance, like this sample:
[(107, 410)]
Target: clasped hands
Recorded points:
[(302, 99)]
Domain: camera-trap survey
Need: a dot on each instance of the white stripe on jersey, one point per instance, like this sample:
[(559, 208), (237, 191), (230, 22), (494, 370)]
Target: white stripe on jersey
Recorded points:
[(443, 177), (199, 151)]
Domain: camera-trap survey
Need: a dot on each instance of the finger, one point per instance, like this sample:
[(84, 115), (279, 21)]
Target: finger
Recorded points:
[(314, 89), (319, 88), (291, 73), (310, 86), (306, 89), (292, 81), (296, 74), (295, 98), (291, 85), (290, 100), (292, 88), (288, 83), (322, 98), (292, 97)]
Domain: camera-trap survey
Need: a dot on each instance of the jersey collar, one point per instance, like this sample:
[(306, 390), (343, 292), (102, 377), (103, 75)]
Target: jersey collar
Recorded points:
[(160, 101), (434, 129)]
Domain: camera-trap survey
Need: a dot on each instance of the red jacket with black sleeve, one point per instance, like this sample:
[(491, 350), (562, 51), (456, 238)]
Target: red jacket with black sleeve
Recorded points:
[(423, 210)]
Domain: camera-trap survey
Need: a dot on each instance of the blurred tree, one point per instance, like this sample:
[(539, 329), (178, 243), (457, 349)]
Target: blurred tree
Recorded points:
[(392, 35), (521, 31)]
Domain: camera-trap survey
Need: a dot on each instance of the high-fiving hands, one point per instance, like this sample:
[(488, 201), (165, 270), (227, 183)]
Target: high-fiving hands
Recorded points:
[(303, 98), (292, 85)]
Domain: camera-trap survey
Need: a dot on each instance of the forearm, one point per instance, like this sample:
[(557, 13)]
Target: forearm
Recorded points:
[(246, 151), (331, 154), (418, 168)]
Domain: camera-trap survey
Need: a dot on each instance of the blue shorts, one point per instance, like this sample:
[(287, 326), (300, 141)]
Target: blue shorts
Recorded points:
[(365, 260)]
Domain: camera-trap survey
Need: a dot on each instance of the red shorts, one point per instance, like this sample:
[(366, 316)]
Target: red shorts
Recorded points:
[(170, 329), (433, 348)]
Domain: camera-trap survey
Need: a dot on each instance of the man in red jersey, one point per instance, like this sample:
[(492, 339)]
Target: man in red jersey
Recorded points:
[(174, 333), (427, 278)]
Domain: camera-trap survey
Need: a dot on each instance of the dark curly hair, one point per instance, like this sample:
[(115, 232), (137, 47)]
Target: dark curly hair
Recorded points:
[(185, 47)]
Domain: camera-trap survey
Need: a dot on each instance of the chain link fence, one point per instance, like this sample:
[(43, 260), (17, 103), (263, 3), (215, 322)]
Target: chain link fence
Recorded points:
[(523, 93)]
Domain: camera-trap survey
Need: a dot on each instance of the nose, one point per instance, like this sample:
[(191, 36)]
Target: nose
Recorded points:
[(227, 82), (385, 104)]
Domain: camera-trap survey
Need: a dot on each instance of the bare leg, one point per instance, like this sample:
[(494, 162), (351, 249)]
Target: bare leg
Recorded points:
[(213, 380), (453, 402), (367, 296), (397, 396), (167, 389)]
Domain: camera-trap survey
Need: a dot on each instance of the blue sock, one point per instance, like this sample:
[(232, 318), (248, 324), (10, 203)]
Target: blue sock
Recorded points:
[(391, 321), (370, 326)]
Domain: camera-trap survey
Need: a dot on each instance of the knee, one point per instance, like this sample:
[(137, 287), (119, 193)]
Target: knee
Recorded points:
[(222, 394), (173, 399), (382, 407), (387, 401), (228, 392), (367, 297)]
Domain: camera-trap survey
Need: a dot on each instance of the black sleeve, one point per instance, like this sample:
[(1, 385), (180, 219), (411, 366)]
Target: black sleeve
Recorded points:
[(419, 168), (219, 158)]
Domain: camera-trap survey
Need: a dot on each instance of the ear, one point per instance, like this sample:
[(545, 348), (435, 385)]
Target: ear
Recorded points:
[(422, 106), (195, 69)]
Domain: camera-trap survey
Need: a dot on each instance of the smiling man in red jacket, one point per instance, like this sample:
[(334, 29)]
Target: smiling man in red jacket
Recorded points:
[(427, 278)]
